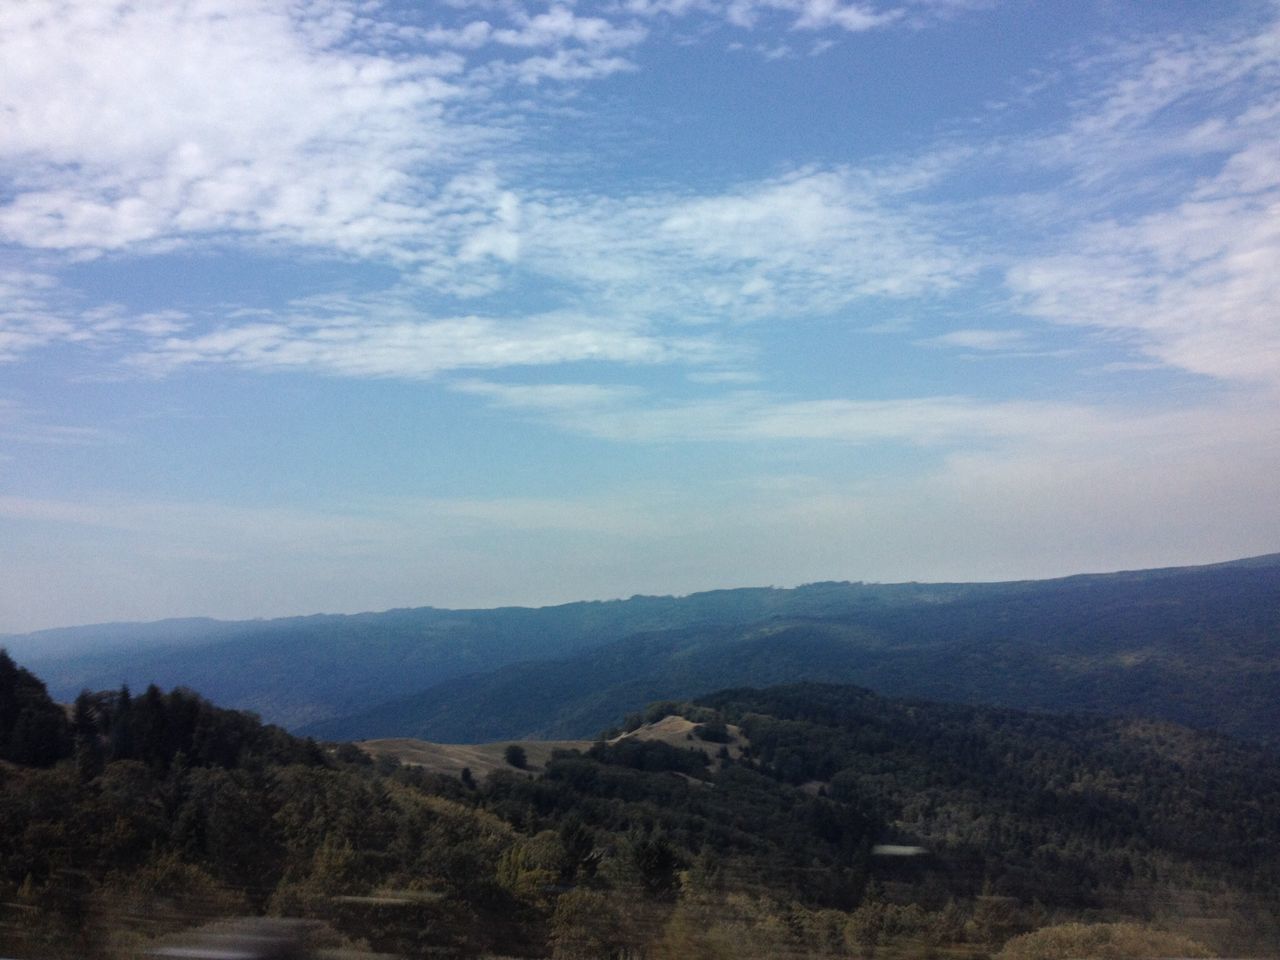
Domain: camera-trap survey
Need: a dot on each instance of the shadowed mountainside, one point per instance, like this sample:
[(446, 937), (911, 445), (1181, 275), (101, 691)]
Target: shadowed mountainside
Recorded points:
[(1199, 646), (297, 670)]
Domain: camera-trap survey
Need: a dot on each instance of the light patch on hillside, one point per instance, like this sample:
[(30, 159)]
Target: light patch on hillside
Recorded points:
[(480, 758), (680, 732), (484, 758)]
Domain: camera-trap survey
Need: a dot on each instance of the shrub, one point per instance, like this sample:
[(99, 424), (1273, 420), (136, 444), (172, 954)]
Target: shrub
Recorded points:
[(515, 755), (713, 731), (1105, 941)]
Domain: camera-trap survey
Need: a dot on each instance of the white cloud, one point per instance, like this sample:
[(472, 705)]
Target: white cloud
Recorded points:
[(854, 17), (559, 24), (389, 337), (628, 415), (26, 321), (806, 243), (979, 339), (1195, 285), (1165, 235), (316, 127), (1171, 99), (811, 15), (151, 122), (35, 312)]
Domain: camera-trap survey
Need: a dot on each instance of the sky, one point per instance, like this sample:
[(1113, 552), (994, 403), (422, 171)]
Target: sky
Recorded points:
[(343, 305)]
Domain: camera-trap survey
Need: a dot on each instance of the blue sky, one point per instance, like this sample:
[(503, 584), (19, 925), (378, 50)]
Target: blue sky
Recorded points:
[(345, 305)]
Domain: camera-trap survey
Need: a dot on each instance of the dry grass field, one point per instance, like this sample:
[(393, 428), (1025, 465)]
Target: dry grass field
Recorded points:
[(483, 758)]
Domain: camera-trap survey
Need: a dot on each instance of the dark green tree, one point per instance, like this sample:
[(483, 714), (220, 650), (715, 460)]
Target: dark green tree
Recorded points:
[(33, 729), (515, 755)]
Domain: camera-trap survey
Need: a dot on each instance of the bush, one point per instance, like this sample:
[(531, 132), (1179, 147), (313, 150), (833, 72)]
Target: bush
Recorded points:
[(515, 755), (1105, 941), (713, 731)]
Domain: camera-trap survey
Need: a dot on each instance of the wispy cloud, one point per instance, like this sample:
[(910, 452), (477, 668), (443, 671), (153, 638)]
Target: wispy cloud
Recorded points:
[(243, 118), (35, 312), (980, 339), (21, 425), (1168, 99), (1164, 232), (806, 243), (749, 416), (1187, 270), (806, 15), (388, 336), (309, 125)]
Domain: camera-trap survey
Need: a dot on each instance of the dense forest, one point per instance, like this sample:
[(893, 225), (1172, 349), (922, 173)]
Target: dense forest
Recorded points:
[(805, 820)]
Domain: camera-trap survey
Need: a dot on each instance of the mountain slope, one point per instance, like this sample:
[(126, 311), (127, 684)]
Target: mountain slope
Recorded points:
[(1199, 646), (303, 669)]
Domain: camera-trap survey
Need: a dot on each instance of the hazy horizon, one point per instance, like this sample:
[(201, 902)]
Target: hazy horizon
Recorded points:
[(354, 306), (301, 614)]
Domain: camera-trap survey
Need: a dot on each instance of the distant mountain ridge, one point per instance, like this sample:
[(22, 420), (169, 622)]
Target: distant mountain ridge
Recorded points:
[(1198, 645), (297, 670)]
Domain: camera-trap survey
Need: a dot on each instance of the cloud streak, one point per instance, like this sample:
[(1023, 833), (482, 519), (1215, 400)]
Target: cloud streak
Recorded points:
[(388, 336), (751, 416)]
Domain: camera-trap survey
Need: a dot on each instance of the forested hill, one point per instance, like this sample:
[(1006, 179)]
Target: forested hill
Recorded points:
[(1199, 646), (757, 836), (299, 669)]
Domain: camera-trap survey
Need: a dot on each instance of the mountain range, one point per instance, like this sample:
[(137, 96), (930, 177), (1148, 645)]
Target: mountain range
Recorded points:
[(1195, 645)]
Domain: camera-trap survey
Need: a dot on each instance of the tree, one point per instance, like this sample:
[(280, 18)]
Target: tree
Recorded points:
[(515, 755), (90, 756), (33, 729)]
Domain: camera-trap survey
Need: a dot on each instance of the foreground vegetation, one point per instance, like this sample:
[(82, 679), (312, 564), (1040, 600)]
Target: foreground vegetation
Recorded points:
[(789, 823)]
